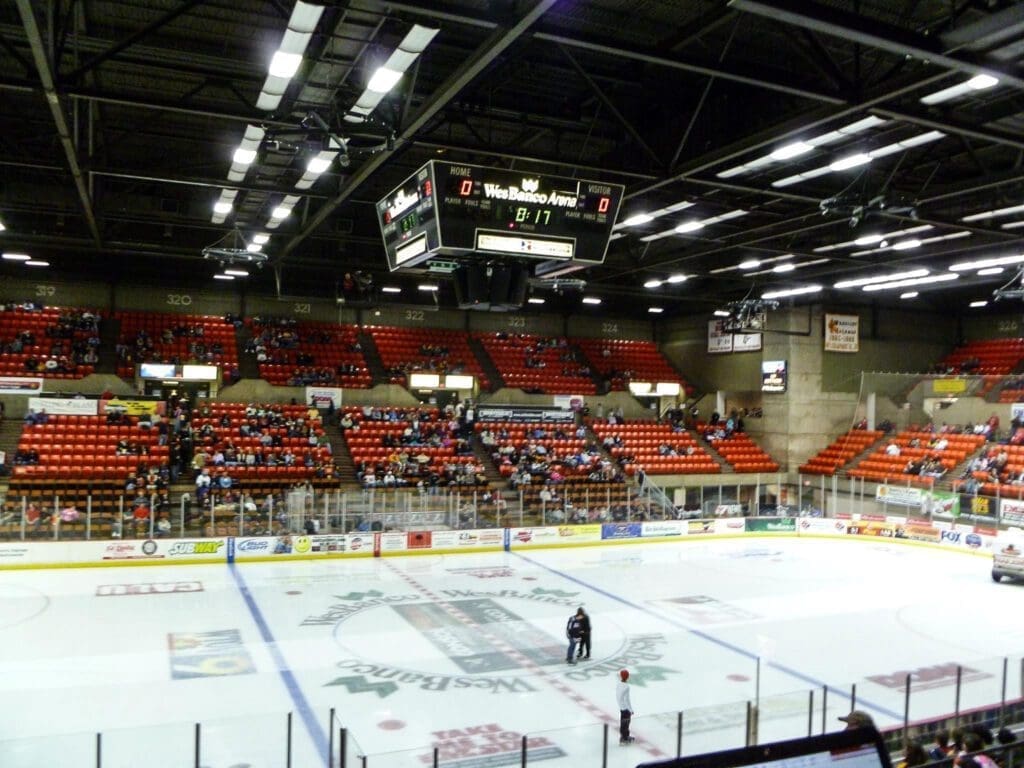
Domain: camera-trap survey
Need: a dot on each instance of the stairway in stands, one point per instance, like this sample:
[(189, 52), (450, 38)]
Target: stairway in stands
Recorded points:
[(483, 455), (248, 368), (374, 363), (10, 431), (600, 383), (110, 329), (345, 467), (710, 449), (487, 364)]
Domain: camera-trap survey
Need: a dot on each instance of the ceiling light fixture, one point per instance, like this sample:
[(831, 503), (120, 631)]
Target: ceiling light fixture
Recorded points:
[(17, 257), (222, 207), (909, 295), (676, 279), (655, 310), (990, 271), (285, 64), (224, 277), (383, 80), (977, 304), (750, 264), (722, 313), (781, 294), (817, 141), (784, 268), (261, 239), (906, 245), (254, 248), (319, 164), (591, 300), (535, 300), (391, 289), (858, 282), (999, 261), (412, 45), (943, 278), (994, 213), (637, 219), (244, 156), (689, 226), (36, 263), (236, 272), (280, 212), (850, 161), (652, 284), (789, 151), (427, 287)]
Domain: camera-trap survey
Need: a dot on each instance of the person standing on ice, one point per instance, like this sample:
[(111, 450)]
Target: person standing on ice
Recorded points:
[(625, 707), (584, 634), (573, 631)]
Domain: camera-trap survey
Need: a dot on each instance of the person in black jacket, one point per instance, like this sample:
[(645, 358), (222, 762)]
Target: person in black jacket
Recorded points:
[(573, 631), (584, 622)]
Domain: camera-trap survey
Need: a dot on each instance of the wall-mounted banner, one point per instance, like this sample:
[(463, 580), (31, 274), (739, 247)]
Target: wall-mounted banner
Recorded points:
[(322, 397), (524, 413), (842, 333), (67, 406), (13, 385)]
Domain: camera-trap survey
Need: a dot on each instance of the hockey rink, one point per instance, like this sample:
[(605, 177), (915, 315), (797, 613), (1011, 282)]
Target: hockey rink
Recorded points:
[(467, 652)]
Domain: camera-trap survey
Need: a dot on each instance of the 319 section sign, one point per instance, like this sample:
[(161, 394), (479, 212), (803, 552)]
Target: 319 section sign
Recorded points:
[(454, 209)]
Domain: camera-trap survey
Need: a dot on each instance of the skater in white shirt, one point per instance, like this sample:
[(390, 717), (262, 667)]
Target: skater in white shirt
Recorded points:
[(625, 707)]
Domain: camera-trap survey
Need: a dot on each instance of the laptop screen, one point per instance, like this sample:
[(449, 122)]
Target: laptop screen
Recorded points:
[(860, 748)]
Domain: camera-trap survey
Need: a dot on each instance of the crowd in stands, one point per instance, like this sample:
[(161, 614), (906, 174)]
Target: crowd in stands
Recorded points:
[(544, 454), (175, 340), (425, 448), (296, 354), (538, 364), (56, 342)]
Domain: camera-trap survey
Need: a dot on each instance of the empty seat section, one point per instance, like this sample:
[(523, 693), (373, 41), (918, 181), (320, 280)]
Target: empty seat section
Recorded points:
[(656, 448), (620, 361), (148, 337), (992, 357), (52, 342), (741, 453), (425, 350), (538, 364), (293, 353), (840, 452)]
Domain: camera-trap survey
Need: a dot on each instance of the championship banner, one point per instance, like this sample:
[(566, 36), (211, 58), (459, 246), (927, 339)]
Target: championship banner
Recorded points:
[(842, 333), (133, 407), (322, 397), (64, 406), (13, 385)]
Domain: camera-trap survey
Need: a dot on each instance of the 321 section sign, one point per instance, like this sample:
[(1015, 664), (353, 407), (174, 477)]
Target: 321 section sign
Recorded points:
[(452, 209)]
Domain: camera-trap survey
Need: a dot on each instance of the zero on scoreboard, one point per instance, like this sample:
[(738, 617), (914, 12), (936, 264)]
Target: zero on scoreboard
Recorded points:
[(455, 209)]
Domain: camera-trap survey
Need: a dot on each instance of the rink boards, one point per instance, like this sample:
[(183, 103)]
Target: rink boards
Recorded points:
[(963, 537)]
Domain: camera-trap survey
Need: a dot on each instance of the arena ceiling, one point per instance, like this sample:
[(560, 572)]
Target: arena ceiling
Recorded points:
[(828, 141)]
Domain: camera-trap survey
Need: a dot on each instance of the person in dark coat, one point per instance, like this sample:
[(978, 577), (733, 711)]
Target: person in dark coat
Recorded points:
[(584, 623)]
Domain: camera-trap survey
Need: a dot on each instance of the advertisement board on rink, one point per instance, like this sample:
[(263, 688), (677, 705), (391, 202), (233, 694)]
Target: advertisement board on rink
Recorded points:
[(1011, 512), (299, 546), (822, 526)]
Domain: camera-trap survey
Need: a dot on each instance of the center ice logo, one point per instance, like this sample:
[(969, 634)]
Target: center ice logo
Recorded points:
[(489, 641)]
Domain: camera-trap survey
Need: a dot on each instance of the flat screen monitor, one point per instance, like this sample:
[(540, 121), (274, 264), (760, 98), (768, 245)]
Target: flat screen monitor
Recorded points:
[(157, 371), (858, 748)]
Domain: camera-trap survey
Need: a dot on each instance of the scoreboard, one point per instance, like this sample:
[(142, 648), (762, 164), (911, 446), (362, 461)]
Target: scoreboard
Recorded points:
[(456, 209)]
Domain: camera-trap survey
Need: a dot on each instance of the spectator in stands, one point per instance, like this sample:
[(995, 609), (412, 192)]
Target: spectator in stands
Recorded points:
[(858, 719), (893, 449)]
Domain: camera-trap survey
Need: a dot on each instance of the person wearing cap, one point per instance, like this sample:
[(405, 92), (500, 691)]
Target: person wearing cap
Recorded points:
[(625, 707), (858, 718)]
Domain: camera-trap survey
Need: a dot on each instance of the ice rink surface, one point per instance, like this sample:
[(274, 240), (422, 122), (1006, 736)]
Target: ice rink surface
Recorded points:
[(467, 652)]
